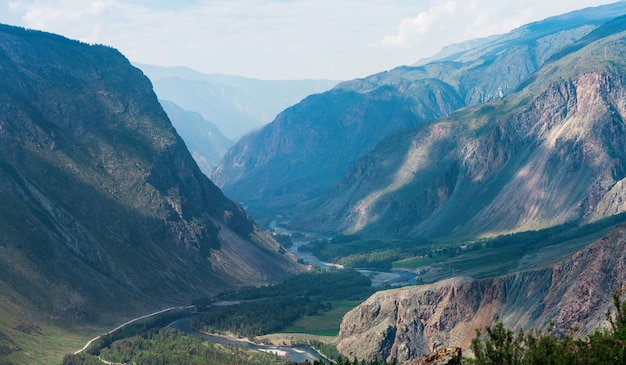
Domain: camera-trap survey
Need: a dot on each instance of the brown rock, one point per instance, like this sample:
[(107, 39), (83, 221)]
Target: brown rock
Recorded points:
[(408, 323), (441, 356)]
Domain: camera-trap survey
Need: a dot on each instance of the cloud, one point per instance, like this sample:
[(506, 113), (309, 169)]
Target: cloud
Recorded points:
[(412, 30), (443, 22), (280, 39)]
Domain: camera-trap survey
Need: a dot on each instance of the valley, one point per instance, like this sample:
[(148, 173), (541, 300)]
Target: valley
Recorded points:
[(512, 255), (378, 219)]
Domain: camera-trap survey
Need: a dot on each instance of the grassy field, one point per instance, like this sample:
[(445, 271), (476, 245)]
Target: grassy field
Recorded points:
[(520, 255), (49, 346), (480, 258), (413, 263), (326, 323)]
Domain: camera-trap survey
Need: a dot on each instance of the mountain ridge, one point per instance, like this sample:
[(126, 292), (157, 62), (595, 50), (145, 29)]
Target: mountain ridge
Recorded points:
[(105, 214), (235, 104), (203, 139), (541, 156), (255, 171)]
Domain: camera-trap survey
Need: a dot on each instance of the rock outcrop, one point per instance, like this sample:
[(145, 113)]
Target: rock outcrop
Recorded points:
[(441, 356), (411, 322)]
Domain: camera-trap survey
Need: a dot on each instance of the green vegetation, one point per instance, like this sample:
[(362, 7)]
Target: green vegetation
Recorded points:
[(311, 302), (290, 305), (135, 329), (356, 361), (330, 284), (325, 323), (169, 346), (357, 253), (604, 346), (478, 258), (416, 262), (284, 240), (257, 318), (40, 343)]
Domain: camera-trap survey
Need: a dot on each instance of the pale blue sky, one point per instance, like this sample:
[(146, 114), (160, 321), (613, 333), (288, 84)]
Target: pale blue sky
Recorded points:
[(280, 39)]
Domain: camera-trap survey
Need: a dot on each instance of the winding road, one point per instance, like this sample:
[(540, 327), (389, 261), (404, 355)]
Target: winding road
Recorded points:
[(129, 322)]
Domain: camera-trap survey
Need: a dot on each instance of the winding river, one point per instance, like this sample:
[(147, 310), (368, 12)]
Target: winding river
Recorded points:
[(391, 277), (294, 353)]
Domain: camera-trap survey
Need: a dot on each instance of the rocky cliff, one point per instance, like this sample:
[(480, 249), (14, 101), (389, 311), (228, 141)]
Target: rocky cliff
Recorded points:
[(410, 322), (104, 213), (549, 153)]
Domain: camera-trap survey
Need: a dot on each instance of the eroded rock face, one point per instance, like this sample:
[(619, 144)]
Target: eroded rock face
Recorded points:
[(411, 322)]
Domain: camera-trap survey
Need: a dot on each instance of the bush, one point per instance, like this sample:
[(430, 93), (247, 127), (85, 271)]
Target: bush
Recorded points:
[(502, 346)]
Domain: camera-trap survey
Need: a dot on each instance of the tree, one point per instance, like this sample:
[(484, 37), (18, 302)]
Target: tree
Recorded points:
[(502, 346)]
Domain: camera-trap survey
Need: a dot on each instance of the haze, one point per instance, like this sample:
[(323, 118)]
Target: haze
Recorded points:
[(279, 39)]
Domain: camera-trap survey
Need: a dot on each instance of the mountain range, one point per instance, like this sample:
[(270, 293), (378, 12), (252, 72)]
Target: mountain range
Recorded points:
[(514, 133), (104, 212), (548, 153), (107, 215), (203, 139), (326, 164), (236, 105)]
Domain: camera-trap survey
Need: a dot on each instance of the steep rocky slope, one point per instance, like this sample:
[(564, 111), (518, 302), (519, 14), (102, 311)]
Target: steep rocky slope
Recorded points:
[(308, 147), (104, 213), (551, 152), (410, 322)]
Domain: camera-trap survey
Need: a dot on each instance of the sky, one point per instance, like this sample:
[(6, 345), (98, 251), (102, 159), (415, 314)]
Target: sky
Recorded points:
[(281, 39)]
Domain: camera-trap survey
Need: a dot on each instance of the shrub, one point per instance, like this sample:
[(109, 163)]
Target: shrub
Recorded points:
[(502, 346)]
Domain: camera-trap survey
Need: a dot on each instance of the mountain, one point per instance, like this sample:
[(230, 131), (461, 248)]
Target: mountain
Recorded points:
[(410, 322), (235, 104), (309, 147), (203, 139), (104, 213), (549, 153), (455, 50)]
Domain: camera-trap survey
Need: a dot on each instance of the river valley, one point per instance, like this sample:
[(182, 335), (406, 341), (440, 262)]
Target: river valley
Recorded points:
[(294, 353), (378, 277)]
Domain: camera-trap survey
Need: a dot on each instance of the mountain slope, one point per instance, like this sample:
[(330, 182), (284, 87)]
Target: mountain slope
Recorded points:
[(104, 213), (335, 129), (203, 139), (551, 153), (237, 105), (410, 322), (309, 146)]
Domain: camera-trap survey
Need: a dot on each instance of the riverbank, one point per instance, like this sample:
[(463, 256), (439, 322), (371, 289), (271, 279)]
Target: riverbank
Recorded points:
[(296, 351)]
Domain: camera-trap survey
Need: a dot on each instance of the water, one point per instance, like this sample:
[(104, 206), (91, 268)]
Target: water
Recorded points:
[(309, 258), (294, 353), (392, 277)]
